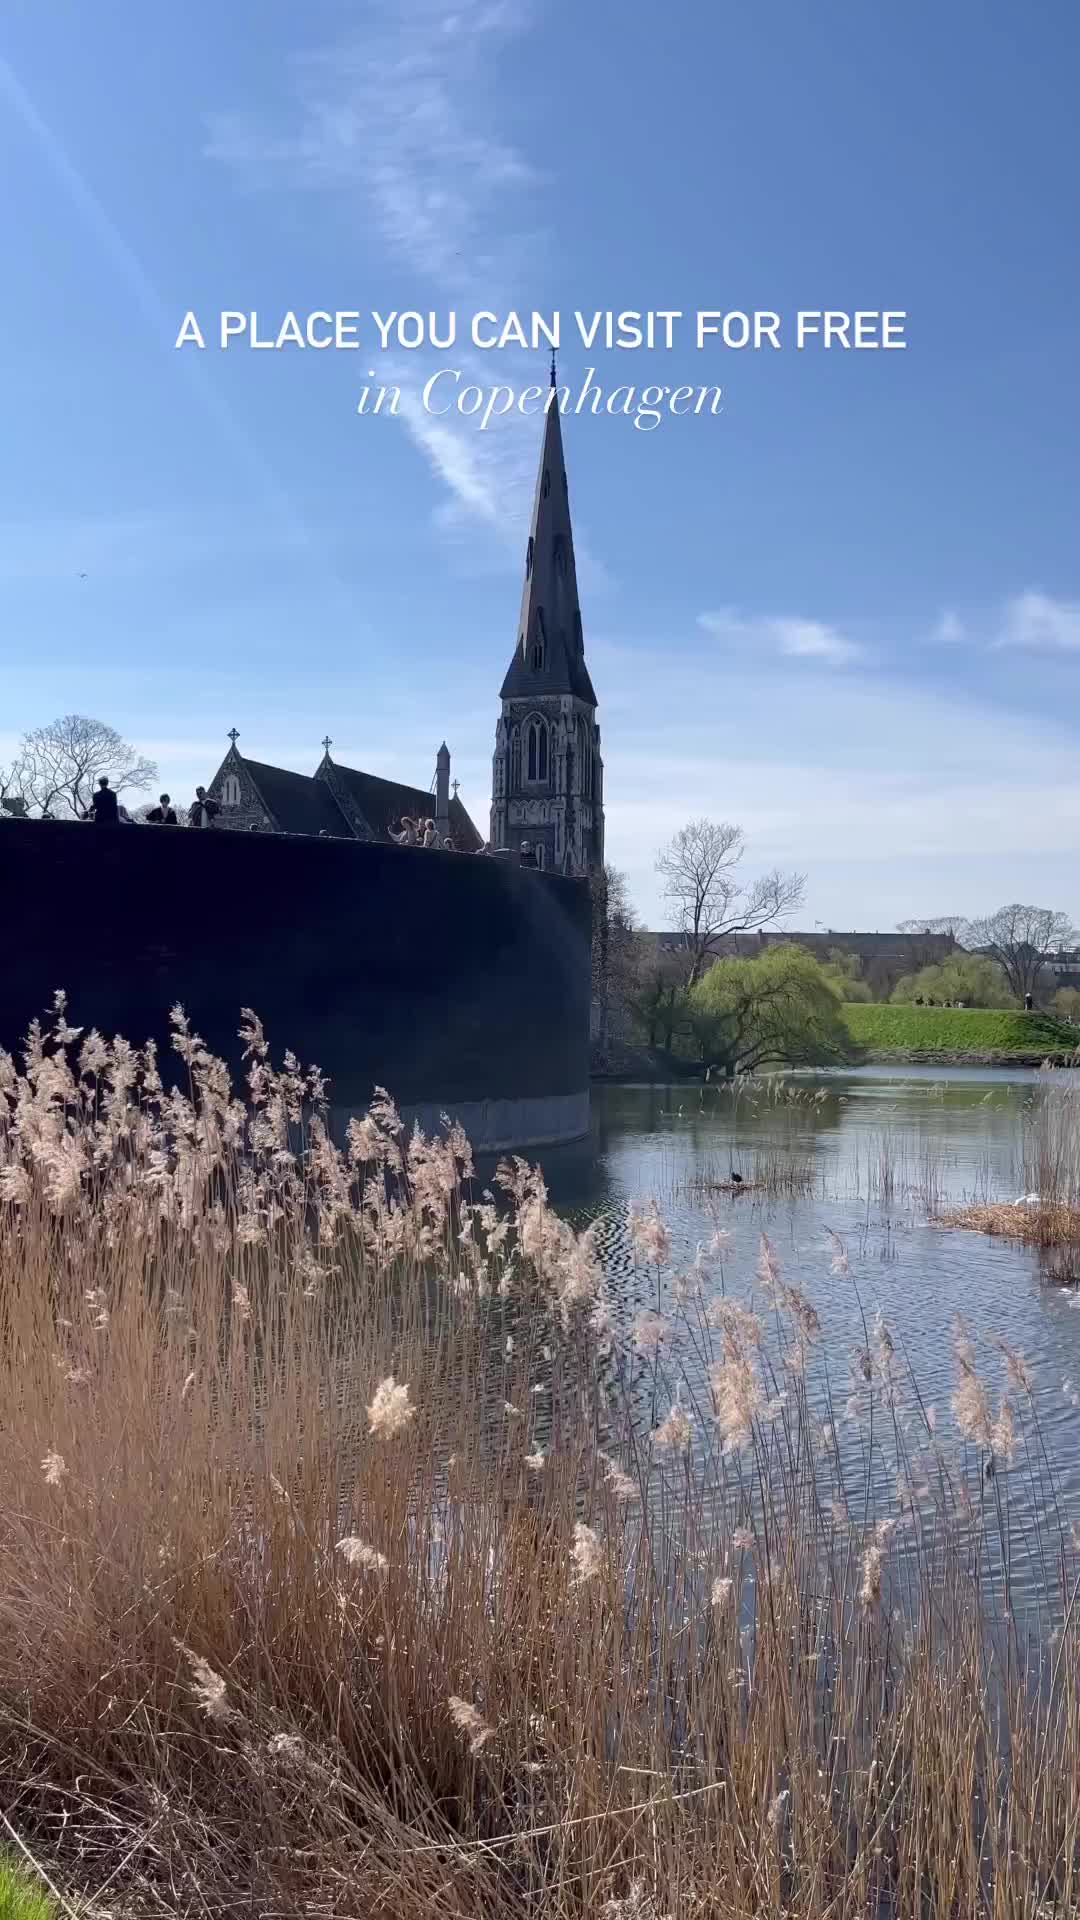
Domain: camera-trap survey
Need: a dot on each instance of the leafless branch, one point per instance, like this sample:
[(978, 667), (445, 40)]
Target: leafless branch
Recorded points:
[(1019, 937), (699, 867), (62, 761)]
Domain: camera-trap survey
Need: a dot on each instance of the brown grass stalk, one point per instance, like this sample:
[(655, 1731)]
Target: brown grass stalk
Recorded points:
[(339, 1574)]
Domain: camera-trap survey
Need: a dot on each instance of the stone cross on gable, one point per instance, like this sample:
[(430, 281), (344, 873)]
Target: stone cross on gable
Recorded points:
[(233, 735), (455, 784), (327, 743)]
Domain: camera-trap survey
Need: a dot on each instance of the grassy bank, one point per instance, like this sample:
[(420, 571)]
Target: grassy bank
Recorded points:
[(353, 1562), (958, 1031)]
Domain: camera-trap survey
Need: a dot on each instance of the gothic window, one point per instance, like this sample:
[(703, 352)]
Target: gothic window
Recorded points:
[(584, 759), (528, 558), (559, 557), (230, 791), (540, 858), (536, 750), (538, 649)]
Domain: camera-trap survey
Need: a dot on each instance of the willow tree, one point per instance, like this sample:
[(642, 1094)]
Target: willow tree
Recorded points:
[(780, 1008)]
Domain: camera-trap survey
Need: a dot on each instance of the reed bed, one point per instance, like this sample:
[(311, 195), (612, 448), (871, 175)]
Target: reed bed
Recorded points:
[(891, 1168), (1049, 1160), (775, 1172), (352, 1561), (1047, 1214), (1040, 1224)]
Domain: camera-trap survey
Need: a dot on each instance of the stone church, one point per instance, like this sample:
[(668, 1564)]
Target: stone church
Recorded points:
[(334, 802), (547, 787)]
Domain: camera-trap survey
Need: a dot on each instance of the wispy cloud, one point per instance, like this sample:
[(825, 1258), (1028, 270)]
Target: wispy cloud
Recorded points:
[(400, 114), (1039, 622), (487, 475), (406, 119), (1033, 620), (859, 780), (793, 637), (950, 630)]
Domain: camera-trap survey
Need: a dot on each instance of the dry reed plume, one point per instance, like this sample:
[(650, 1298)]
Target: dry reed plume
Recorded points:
[(340, 1573)]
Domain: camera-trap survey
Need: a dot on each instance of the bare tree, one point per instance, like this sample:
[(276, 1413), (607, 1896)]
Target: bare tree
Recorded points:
[(62, 762), (1019, 938), (930, 939), (12, 796), (699, 866), (953, 923)]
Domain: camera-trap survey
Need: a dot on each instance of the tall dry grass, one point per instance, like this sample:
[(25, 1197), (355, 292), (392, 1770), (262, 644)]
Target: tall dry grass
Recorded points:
[(351, 1563), (1049, 1159), (771, 1171)]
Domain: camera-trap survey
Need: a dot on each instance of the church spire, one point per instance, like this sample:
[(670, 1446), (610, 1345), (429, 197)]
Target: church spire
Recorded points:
[(550, 654)]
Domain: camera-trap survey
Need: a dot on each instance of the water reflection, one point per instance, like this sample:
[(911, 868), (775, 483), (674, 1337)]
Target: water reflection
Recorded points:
[(886, 1149)]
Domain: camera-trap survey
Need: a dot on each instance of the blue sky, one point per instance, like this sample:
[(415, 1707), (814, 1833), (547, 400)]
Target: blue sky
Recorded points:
[(844, 613)]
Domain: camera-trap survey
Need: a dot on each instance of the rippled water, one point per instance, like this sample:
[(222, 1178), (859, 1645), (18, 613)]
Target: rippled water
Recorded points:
[(942, 1134)]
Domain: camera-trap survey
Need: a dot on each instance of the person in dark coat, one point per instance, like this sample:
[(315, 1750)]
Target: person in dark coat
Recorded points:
[(203, 811), (164, 814), (104, 809)]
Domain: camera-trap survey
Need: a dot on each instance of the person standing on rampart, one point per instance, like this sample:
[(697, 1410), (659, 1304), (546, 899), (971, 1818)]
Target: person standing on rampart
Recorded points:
[(203, 811), (104, 808)]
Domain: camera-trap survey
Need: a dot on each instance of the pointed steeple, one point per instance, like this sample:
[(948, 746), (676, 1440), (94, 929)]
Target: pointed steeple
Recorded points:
[(550, 654), (442, 786)]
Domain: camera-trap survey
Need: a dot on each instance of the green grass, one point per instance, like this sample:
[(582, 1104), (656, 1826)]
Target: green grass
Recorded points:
[(21, 1898), (888, 1029)]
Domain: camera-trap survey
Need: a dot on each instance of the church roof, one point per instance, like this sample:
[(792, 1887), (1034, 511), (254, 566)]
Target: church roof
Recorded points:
[(383, 802), (305, 803), (550, 612), (297, 803)]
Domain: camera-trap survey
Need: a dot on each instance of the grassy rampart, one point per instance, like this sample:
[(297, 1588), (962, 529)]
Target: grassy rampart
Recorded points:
[(956, 1031)]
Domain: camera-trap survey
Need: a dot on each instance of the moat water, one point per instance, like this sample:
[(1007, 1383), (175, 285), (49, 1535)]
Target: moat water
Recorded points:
[(880, 1151)]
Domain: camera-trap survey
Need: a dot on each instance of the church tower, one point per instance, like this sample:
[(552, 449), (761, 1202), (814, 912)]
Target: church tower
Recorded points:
[(548, 779)]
